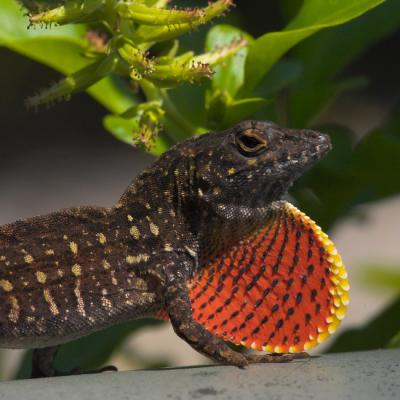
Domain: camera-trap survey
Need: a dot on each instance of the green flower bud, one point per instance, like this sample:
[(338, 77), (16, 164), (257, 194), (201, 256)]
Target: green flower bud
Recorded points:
[(74, 11), (151, 34), (78, 81)]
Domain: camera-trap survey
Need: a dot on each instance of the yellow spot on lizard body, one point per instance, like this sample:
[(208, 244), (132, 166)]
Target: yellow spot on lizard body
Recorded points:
[(137, 259), (79, 300), (135, 233), (168, 247), (49, 252), (101, 238), (14, 312), (148, 206), (154, 229), (60, 273), (28, 259), (73, 247), (106, 264), (41, 277), (50, 301), (6, 285), (113, 278), (231, 171), (106, 303), (3, 258), (130, 218), (76, 270)]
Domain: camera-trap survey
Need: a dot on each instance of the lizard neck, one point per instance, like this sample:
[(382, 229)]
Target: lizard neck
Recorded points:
[(219, 226), (156, 203)]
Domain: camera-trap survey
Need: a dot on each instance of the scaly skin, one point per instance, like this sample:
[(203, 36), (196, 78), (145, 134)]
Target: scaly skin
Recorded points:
[(76, 271)]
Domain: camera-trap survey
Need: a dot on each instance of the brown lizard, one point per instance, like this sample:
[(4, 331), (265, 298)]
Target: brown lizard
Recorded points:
[(202, 238)]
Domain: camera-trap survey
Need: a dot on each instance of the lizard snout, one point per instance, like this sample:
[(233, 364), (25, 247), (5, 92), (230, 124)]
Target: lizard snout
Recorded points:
[(321, 141)]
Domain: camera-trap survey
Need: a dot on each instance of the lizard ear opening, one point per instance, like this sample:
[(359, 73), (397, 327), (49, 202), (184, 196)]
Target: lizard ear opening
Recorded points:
[(284, 289)]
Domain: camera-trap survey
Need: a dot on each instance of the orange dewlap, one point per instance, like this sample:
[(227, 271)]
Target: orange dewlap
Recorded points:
[(284, 289)]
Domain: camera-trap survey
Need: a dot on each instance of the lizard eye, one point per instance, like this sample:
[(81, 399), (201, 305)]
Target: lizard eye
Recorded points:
[(250, 143)]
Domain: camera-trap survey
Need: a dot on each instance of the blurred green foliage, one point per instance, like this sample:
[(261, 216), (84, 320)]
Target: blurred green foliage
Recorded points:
[(382, 277), (255, 80)]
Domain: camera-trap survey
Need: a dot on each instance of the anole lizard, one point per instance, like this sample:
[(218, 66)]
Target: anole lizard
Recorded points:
[(202, 238)]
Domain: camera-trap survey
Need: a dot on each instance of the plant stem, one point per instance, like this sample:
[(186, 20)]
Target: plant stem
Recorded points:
[(176, 116), (154, 93)]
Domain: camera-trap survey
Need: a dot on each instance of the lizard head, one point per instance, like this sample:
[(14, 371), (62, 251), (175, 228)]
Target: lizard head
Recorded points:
[(255, 162), (237, 174)]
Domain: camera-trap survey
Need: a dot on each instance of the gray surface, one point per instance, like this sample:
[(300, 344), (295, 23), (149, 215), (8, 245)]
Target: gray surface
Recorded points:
[(365, 375)]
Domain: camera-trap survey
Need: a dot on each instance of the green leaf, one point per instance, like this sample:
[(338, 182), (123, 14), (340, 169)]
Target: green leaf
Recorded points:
[(313, 16), (241, 109), (320, 72), (60, 48), (377, 333), (113, 93), (230, 75), (193, 109), (121, 128), (281, 75)]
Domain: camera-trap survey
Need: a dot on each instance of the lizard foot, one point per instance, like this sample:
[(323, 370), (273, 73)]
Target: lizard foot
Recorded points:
[(43, 365), (275, 357)]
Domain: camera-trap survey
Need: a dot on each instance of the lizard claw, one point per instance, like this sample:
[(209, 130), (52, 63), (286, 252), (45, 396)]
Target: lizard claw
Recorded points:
[(237, 359)]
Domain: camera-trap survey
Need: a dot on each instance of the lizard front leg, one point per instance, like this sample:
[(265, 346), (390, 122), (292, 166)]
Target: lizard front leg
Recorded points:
[(178, 306), (180, 312)]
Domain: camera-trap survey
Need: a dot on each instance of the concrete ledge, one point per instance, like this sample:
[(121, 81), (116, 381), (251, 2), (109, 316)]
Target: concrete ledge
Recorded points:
[(364, 375)]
